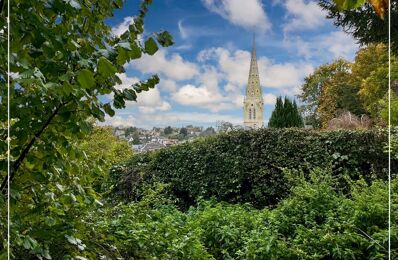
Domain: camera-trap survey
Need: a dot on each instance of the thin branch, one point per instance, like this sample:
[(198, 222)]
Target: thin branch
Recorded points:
[(15, 166)]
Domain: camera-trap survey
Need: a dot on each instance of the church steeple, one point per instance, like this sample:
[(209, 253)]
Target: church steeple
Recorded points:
[(253, 102)]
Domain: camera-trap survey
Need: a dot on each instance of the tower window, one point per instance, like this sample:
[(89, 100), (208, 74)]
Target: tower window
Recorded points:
[(254, 113)]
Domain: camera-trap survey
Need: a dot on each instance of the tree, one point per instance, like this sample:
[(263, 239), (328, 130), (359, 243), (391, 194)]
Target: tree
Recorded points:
[(183, 131), (285, 114), (313, 86), (363, 20), (224, 126), (168, 130), (64, 57), (329, 91), (371, 70), (136, 138), (208, 131), (103, 149)]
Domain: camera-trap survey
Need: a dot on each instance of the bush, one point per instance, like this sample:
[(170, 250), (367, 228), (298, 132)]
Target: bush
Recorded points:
[(315, 221), (247, 166)]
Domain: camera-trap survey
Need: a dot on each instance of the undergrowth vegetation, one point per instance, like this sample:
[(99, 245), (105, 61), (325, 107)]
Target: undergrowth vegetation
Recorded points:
[(315, 221)]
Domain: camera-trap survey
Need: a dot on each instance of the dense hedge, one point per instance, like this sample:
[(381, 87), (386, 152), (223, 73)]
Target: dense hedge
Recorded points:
[(247, 166)]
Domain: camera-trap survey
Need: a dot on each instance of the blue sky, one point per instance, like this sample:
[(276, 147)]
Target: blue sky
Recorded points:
[(204, 74)]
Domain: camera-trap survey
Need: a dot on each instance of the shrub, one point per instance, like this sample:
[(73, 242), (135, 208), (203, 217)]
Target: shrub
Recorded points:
[(315, 221), (247, 166)]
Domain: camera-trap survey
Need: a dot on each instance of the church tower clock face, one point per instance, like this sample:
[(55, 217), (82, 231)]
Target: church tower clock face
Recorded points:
[(253, 102)]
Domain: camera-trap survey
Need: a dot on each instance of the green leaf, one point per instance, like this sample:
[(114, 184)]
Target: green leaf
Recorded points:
[(130, 94), (348, 4), (135, 52), (108, 109), (164, 39), (105, 67), (86, 78), (150, 46)]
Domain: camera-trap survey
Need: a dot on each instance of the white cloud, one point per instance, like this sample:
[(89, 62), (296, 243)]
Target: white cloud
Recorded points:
[(173, 67), (283, 75), (323, 47), (123, 26), (126, 81), (269, 99), (248, 14), (150, 101), (339, 44), (202, 97), (189, 32), (235, 69), (117, 120), (147, 101), (183, 31), (168, 84), (303, 15)]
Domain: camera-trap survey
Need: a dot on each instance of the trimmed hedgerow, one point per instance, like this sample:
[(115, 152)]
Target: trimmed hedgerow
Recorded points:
[(247, 166)]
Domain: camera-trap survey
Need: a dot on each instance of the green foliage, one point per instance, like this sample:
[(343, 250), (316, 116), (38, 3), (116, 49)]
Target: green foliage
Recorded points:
[(330, 90), (168, 130), (64, 58), (364, 23), (247, 166), (315, 221), (102, 150), (285, 114), (183, 131), (48, 215), (359, 87)]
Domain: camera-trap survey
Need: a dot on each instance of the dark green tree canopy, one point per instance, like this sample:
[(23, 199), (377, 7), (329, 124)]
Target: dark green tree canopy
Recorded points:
[(285, 114), (168, 130)]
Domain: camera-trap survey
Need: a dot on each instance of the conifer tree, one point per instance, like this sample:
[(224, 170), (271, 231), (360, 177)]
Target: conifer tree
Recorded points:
[(285, 114)]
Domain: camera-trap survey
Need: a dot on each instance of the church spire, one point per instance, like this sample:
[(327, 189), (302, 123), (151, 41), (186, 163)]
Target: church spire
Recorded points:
[(254, 79), (253, 105)]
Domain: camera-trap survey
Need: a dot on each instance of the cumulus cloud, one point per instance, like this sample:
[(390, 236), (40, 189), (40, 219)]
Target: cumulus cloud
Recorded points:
[(168, 85), (269, 99), (123, 26), (202, 97), (248, 14), (172, 66), (235, 69), (303, 15), (147, 101), (150, 101), (126, 81)]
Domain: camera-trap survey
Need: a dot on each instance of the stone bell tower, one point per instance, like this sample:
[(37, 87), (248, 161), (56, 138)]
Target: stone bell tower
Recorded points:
[(253, 104)]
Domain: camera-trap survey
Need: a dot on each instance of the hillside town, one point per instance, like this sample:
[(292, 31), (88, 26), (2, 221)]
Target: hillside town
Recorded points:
[(142, 140)]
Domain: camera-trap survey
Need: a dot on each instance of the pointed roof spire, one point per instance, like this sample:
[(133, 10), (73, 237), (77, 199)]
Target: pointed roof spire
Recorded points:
[(254, 79), (254, 43)]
